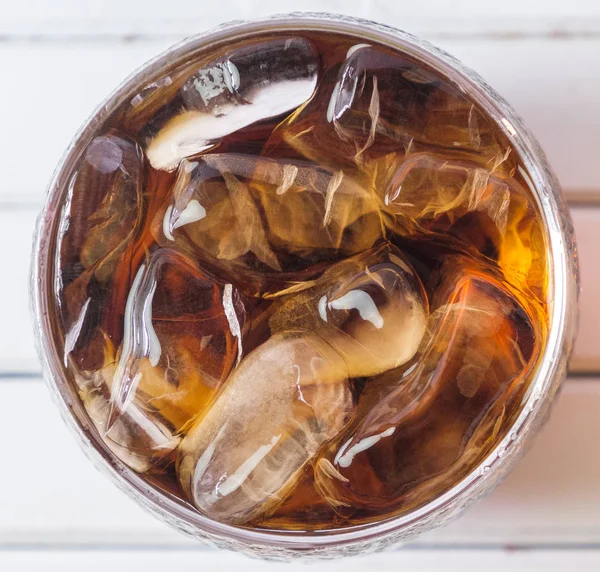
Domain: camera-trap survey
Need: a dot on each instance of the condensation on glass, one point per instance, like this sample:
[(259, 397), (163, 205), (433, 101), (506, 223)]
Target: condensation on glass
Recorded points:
[(300, 282)]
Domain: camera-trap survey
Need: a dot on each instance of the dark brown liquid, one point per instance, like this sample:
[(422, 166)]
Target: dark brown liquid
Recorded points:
[(309, 313)]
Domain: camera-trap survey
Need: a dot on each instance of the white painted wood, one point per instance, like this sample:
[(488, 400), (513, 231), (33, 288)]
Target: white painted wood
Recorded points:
[(587, 347), (554, 85), (184, 17), (52, 495), (59, 59), (54, 87), (16, 337), (17, 352), (52, 91), (404, 560)]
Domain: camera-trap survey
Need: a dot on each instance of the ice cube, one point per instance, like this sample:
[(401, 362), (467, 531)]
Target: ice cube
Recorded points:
[(245, 214), (426, 186), (478, 206), (192, 337), (370, 308), (141, 438), (99, 221), (382, 102), (285, 400), (103, 207), (256, 82), (440, 416), (181, 337)]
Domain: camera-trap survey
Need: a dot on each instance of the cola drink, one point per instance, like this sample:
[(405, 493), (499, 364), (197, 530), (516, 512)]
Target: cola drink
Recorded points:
[(301, 282)]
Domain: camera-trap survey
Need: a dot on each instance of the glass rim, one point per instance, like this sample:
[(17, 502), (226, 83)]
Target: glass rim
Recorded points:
[(549, 372)]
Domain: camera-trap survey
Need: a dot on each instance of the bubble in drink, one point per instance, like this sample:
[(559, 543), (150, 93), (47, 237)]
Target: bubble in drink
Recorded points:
[(301, 282)]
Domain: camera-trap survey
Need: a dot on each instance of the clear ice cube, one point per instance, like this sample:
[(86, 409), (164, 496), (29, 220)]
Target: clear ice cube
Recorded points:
[(284, 401), (477, 206), (140, 437), (371, 308), (421, 429), (193, 346), (425, 187), (381, 102), (258, 81), (245, 214), (182, 336), (100, 220), (104, 204)]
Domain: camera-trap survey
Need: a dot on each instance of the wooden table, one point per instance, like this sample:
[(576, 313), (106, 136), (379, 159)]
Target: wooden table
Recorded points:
[(59, 59)]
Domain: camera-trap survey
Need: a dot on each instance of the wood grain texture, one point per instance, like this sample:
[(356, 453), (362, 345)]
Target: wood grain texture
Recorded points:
[(103, 18), (404, 560), (52, 494), (586, 356)]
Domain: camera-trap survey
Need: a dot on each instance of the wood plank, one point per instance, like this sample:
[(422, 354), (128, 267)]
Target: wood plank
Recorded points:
[(17, 351), (410, 560), (586, 357), (559, 106), (553, 84), (16, 338), (53, 89), (429, 17), (51, 495)]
